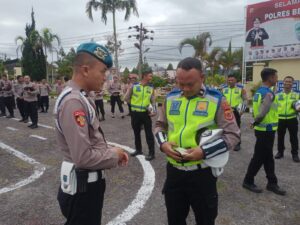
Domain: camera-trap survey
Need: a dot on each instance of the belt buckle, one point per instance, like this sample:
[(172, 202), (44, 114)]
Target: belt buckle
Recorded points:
[(92, 177), (187, 168)]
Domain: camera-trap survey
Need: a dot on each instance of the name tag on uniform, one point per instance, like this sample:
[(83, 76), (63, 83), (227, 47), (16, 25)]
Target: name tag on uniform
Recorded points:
[(226, 91), (175, 108), (138, 88), (201, 108), (236, 91), (293, 96), (280, 98)]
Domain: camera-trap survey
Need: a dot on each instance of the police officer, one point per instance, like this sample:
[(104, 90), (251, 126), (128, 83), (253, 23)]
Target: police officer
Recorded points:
[(141, 98), (2, 104), (45, 89), (30, 92), (236, 96), (80, 137), (186, 112), (115, 97), (265, 125), (99, 104), (18, 92), (8, 96), (287, 118)]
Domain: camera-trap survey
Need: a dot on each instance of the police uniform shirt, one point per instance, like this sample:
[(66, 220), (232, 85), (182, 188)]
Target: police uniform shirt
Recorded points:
[(114, 88), (44, 89), (18, 89), (224, 119), (1, 87), (30, 96), (7, 88), (99, 95), (80, 140)]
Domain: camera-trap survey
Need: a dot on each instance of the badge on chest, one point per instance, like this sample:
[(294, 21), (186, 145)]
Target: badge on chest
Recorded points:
[(175, 108), (201, 108)]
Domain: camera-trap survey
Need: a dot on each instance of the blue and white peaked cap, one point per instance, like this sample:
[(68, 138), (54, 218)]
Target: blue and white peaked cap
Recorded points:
[(98, 51)]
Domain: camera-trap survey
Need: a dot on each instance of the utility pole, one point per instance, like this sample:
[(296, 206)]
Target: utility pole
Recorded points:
[(141, 36)]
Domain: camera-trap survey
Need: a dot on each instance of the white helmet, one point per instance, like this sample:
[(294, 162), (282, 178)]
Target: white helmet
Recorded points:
[(296, 105)]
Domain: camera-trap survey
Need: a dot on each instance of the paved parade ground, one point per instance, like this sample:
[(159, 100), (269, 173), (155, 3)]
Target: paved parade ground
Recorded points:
[(29, 179)]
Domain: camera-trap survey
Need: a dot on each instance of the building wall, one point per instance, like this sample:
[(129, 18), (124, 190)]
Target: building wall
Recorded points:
[(285, 67), (289, 67)]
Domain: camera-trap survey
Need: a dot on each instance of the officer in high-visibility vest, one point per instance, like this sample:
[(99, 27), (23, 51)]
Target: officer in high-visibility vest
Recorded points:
[(236, 96), (265, 125), (142, 102), (186, 112), (287, 118)]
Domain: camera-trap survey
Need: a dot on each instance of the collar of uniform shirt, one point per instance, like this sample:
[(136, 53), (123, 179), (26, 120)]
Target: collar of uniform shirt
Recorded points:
[(202, 93)]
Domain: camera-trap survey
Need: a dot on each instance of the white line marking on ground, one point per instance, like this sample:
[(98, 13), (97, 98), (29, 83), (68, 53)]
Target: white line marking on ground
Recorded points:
[(39, 124), (38, 168), (143, 193), (11, 128), (38, 137)]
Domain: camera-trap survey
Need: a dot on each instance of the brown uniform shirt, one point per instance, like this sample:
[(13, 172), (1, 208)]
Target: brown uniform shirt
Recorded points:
[(44, 89), (18, 89), (30, 96), (115, 88), (81, 142), (223, 118), (7, 88)]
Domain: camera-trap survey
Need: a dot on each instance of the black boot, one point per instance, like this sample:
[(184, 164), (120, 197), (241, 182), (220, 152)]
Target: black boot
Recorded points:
[(296, 158), (150, 157), (279, 155), (136, 152)]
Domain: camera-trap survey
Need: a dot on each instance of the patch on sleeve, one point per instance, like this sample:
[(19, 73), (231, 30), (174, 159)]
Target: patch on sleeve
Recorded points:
[(80, 118), (227, 111)]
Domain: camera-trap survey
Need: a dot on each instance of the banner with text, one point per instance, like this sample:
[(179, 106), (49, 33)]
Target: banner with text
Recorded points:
[(273, 30)]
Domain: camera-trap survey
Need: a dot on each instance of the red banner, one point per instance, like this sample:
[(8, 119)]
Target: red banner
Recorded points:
[(272, 10)]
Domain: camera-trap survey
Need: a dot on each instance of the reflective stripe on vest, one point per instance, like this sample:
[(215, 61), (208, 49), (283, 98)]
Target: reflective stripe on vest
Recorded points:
[(140, 98), (187, 116), (270, 121), (285, 104), (233, 96)]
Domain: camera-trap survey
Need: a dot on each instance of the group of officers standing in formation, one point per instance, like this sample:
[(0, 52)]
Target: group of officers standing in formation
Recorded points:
[(27, 96), (188, 109)]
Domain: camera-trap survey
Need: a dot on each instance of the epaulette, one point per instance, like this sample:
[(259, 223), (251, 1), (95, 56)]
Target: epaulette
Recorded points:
[(215, 93), (173, 92), (223, 86), (240, 86)]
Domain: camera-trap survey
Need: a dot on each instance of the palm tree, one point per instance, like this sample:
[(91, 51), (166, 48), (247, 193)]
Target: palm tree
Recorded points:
[(212, 59), (230, 59), (47, 39), (21, 46), (199, 43), (106, 6)]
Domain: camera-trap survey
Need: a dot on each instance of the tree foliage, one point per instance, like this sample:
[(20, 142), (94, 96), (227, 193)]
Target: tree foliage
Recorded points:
[(33, 58), (170, 67), (158, 81), (111, 6), (214, 80), (65, 63), (200, 43)]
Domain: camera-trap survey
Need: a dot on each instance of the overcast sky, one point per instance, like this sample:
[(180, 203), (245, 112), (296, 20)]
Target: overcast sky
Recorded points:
[(171, 21)]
